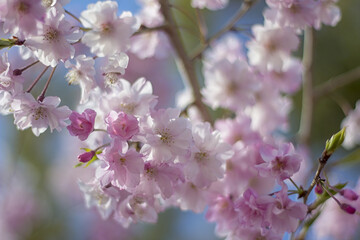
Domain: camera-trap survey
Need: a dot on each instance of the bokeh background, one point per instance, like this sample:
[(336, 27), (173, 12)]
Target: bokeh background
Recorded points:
[(39, 196)]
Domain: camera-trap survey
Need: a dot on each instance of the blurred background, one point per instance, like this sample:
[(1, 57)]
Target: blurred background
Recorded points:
[(39, 195)]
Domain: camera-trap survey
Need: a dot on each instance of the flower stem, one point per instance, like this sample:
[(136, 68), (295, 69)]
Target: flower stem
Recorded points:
[(42, 94), (246, 5), (37, 80)]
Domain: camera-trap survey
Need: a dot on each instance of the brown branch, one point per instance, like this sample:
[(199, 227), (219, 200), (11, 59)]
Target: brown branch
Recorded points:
[(337, 82), (245, 6), (307, 96), (186, 65)]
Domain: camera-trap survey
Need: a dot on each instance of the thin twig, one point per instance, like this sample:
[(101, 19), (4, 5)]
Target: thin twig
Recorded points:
[(322, 162), (202, 25), (245, 6), (37, 80), (337, 82), (144, 29), (307, 96), (72, 15), (42, 94), (186, 66)]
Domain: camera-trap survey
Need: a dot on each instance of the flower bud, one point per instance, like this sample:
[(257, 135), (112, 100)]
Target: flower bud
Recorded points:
[(349, 194), (318, 189), (86, 156), (335, 141), (82, 124), (348, 208), (17, 72)]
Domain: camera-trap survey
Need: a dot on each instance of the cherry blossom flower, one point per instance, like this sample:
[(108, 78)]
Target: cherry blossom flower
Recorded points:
[(54, 41), (82, 124), (107, 28), (122, 167), (327, 13), (82, 73), (209, 155), (121, 125), (39, 115), (21, 16), (104, 198), (231, 85), (286, 213), (161, 178), (352, 124), (136, 99), (296, 14), (166, 135), (271, 46), (113, 67), (281, 162)]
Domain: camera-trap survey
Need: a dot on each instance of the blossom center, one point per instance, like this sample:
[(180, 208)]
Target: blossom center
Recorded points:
[(51, 35), (39, 113), (23, 7), (47, 3), (73, 76), (201, 156), (122, 160), (111, 78), (106, 28), (128, 107), (166, 137)]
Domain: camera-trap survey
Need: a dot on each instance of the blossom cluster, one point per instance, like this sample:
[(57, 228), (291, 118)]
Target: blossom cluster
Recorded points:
[(149, 159)]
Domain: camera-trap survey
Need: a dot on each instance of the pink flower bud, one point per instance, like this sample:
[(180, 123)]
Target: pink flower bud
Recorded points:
[(348, 208), (82, 124), (318, 189), (86, 156), (349, 194), (121, 125)]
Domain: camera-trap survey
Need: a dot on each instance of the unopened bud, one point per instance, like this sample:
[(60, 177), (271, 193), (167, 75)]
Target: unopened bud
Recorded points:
[(86, 156), (318, 189), (348, 208), (349, 194), (17, 72), (335, 141)]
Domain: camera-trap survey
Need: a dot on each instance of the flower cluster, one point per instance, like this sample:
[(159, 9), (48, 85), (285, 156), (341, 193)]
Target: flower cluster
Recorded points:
[(149, 159)]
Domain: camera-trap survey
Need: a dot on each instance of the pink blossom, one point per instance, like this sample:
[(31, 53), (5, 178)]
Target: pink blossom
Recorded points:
[(86, 156), (21, 16), (296, 14), (224, 87), (286, 213), (121, 125), (161, 178), (136, 99), (271, 46), (53, 43), (166, 135), (327, 13), (135, 208), (349, 194), (206, 164), (352, 124), (122, 166), (39, 115), (280, 162), (83, 73), (82, 124), (107, 28)]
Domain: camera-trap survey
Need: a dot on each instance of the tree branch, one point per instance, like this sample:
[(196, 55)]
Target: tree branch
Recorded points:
[(336, 82), (186, 65), (245, 6), (307, 97)]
